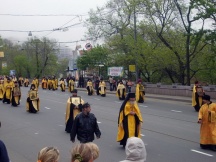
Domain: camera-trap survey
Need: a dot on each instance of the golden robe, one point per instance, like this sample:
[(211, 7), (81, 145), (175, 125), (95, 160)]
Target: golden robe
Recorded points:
[(49, 82), (33, 102), (102, 88), (54, 85), (194, 102), (121, 92), (62, 85), (208, 126), (26, 82), (140, 93), (71, 85), (1, 90), (89, 88), (44, 84), (35, 82), (129, 125), (72, 109), (8, 89)]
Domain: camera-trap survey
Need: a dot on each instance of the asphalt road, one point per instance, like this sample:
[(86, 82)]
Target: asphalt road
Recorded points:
[(170, 130)]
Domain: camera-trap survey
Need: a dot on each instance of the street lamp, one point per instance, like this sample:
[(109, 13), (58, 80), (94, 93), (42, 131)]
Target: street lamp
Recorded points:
[(100, 65)]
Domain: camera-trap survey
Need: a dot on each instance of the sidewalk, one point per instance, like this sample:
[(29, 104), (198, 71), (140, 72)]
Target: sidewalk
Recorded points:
[(164, 97)]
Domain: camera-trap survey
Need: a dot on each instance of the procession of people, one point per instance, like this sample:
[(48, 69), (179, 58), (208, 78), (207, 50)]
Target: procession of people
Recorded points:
[(81, 123)]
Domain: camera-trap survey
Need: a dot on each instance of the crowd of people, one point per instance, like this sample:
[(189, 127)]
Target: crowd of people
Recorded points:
[(82, 124)]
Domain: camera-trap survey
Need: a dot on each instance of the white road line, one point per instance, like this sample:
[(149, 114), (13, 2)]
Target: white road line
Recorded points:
[(142, 135), (36, 133), (61, 125), (47, 108), (97, 99), (201, 152), (117, 102), (143, 105), (176, 111), (98, 122)]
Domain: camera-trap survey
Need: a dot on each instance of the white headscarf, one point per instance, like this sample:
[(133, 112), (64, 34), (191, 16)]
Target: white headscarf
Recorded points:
[(135, 150)]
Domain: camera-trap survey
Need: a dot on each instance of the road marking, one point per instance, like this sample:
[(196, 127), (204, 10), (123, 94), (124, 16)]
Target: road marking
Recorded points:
[(117, 102), (36, 133), (61, 125), (201, 153), (143, 105), (97, 99), (176, 111), (47, 108), (98, 122), (142, 135)]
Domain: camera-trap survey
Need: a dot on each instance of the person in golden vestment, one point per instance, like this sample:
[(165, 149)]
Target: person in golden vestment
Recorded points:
[(32, 102), (54, 84), (35, 82), (197, 96), (26, 82), (129, 120), (8, 91), (1, 89), (44, 83), (20, 81), (74, 107), (49, 82), (89, 87), (71, 84), (62, 85), (140, 92), (102, 88), (121, 91), (16, 94), (207, 119)]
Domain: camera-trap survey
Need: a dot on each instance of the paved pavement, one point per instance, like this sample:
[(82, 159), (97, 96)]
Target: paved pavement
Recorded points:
[(165, 97)]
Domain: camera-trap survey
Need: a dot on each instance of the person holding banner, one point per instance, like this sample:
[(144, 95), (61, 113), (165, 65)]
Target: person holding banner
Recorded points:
[(74, 107), (33, 102)]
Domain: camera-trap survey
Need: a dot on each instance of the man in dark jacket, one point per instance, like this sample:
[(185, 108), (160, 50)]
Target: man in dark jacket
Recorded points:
[(85, 126), (3, 152)]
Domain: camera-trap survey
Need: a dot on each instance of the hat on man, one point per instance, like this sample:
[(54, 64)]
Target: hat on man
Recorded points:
[(206, 97), (131, 95), (74, 91)]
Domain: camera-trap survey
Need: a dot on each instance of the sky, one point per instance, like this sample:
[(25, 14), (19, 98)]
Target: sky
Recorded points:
[(25, 16)]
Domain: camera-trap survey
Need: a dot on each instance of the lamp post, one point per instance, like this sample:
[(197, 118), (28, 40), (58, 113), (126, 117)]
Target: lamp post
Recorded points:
[(100, 65)]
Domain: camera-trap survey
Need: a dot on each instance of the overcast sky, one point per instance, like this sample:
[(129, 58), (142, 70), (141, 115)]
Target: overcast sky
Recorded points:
[(12, 17)]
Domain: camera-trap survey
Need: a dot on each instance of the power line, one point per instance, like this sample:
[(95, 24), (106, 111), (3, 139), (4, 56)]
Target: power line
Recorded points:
[(55, 29), (43, 15)]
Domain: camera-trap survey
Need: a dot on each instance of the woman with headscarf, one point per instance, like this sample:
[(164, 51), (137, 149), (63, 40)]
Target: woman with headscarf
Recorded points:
[(129, 120), (33, 102)]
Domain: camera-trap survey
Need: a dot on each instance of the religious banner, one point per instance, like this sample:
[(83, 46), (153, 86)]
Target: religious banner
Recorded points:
[(115, 71)]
